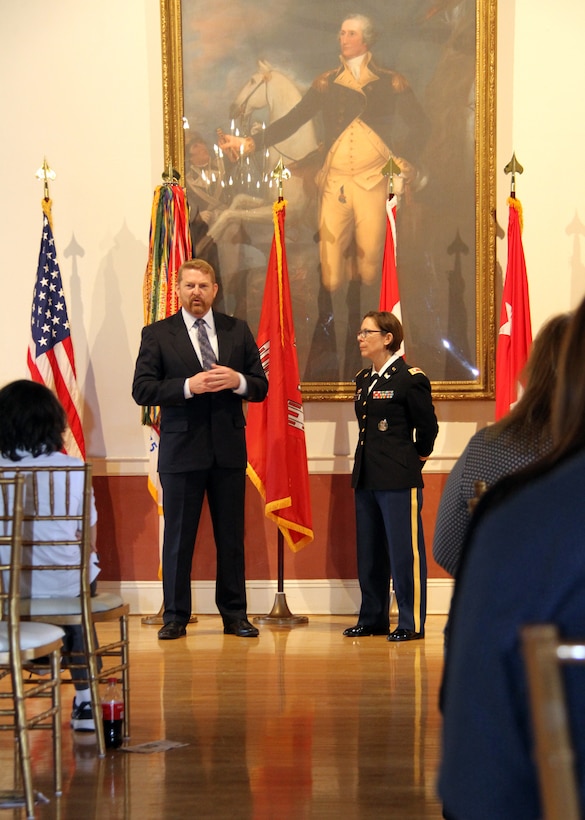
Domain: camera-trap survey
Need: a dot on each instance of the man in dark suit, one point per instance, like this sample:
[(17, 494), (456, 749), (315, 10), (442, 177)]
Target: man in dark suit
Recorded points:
[(397, 431), (197, 366)]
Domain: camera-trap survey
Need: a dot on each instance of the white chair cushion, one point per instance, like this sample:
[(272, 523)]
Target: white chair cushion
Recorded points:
[(32, 635), (68, 606)]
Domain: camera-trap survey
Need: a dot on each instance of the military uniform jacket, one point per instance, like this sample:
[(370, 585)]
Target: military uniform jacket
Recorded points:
[(397, 426), (386, 104), (208, 428)]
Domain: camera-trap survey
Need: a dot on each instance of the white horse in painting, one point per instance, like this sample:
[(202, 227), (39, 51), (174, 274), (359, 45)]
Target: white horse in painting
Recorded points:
[(270, 89)]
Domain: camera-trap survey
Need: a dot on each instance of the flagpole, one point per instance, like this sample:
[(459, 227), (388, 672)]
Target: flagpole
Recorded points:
[(513, 167), (390, 170), (170, 181), (45, 173), (515, 331), (280, 614), (51, 356)]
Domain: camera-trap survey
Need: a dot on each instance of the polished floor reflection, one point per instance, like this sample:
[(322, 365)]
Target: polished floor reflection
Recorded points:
[(299, 723)]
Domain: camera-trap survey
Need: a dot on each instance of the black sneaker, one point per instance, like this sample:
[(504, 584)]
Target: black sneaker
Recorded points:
[(82, 717)]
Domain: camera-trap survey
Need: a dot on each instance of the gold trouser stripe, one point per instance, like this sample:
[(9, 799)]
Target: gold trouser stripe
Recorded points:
[(415, 557)]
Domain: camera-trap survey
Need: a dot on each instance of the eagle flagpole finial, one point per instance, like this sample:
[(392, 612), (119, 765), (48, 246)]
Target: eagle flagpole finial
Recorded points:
[(45, 173)]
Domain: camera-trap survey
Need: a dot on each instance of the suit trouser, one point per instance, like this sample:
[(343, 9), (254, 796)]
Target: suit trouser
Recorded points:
[(183, 495), (390, 543)]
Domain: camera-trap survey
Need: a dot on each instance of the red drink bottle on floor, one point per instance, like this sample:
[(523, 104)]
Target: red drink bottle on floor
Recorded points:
[(113, 714)]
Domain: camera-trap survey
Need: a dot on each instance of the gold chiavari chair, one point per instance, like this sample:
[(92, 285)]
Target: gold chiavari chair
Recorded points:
[(48, 501), (544, 654), (21, 643)]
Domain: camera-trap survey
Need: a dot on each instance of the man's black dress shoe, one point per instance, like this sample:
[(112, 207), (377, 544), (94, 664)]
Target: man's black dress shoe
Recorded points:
[(404, 635), (243, 629), (361, 631), (171, 631)]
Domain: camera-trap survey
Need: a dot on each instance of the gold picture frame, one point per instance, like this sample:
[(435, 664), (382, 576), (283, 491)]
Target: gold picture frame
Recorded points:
[(448, 298)]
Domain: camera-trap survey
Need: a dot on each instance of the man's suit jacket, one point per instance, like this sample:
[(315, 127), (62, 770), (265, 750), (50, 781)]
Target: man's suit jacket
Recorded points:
[(208, 428), (397, 425)]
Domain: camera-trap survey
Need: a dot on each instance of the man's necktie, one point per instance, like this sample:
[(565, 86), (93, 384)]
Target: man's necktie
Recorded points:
[(207, 354)]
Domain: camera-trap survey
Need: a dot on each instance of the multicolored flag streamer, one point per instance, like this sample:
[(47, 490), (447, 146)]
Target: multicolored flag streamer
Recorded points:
[(389, 293), (275, 431), (515, 336), (169, 246), (50, 356)]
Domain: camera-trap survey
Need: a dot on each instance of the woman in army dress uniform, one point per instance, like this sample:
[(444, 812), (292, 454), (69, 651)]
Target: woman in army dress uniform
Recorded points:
[(397, 430)]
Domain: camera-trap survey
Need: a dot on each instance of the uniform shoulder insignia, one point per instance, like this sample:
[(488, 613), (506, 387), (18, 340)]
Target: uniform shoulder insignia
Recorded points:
[(321, 83), (414, 370), (361, 372), (398, 81)]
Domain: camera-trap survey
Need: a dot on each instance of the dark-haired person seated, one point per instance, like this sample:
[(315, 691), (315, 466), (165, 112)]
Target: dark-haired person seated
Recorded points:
[(520, 438), (32, 423)]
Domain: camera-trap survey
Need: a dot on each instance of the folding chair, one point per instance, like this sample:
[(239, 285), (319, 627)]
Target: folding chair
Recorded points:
[(49, 504), (544, 654), (21, 643)]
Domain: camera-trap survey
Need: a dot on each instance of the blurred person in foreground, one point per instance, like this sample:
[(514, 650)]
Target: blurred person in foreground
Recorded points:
[(32, 424), (523, 563), (522, 437), (397, 430)]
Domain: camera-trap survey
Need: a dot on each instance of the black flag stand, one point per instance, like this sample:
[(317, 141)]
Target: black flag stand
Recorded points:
[(280, 614)]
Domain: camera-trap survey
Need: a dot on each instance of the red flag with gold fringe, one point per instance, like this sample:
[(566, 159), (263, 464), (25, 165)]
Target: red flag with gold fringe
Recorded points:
[(515, 336), (275, 430), (389, 293)]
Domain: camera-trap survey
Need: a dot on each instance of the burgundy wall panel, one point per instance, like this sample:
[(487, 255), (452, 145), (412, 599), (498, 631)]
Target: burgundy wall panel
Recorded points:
[(128, 532)]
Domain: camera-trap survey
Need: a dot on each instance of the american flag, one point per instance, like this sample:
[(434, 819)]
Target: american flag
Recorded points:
[(50, 357)]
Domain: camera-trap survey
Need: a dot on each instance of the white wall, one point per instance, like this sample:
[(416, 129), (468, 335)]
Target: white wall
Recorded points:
[(540, 63), (81, 85), (549, 139)]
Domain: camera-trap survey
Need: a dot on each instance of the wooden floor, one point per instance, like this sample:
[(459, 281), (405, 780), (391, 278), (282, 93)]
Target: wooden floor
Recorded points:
[(300, 723)]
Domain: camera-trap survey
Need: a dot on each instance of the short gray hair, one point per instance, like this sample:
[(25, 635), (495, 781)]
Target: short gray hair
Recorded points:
[(368, 30)]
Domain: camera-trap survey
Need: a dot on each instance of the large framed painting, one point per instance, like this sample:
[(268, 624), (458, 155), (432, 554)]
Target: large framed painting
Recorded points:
[(247, 83)]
